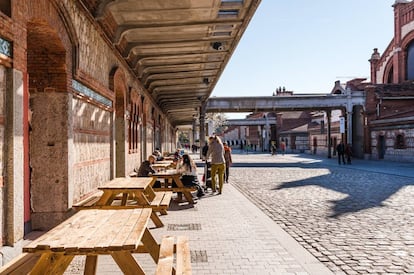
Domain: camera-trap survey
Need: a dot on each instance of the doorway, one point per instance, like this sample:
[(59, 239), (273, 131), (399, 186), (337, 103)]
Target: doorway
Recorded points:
[(381, 147)]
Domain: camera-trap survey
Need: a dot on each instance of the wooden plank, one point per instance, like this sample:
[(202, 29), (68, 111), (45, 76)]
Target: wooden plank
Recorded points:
[(131, 230), (166, 257), (48, 263), (127, 183), (151, 245), (149, 193), (103, 238), (61, 264), (158, 198), (55, 235), (156, 220), (91, 201), (22, 264), (83, 233), (176, 189), (183, 256), (165, 203), (166, 199), (90, 264), (127, 263)]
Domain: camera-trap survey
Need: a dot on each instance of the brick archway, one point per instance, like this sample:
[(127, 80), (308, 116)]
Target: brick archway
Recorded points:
[(49, 109), (120, 131)]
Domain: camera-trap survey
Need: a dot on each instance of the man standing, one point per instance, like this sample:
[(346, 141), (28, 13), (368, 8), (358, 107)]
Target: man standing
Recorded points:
[(340, 149)]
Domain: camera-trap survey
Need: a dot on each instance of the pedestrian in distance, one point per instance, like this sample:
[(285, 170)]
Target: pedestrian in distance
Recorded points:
[(204, 151), (229, 161), (283, 147), (348, 153), (273, 149), (218, 163), (340, 150)]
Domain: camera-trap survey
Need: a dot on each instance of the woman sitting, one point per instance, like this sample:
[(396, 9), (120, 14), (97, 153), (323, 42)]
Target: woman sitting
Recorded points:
[(188, 169)]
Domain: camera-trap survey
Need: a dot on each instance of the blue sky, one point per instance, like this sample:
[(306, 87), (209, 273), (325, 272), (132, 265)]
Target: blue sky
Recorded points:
[(306, 46)]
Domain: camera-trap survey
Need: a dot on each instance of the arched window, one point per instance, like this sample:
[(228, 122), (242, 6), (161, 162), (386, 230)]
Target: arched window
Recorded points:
[(399, 142), (390, 76), (410, 61), (5, 7)]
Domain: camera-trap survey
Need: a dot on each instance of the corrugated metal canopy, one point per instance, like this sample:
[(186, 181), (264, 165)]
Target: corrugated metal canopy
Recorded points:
[(177, 48)]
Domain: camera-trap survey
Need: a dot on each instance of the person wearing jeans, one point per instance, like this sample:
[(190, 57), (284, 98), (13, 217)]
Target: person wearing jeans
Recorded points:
[(216, 152), (229, 161)]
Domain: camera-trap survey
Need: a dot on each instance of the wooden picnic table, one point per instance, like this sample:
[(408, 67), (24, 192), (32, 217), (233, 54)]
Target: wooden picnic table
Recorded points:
[(161, 165), (139, 189), (172, 175), (95, 232), (130, 193)]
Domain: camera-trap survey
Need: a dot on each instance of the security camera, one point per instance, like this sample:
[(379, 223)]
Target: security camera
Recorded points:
[(218, 46)]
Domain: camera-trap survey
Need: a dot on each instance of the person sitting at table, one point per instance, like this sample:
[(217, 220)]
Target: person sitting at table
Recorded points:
[(145, 170), (158, 154), (188, 171)]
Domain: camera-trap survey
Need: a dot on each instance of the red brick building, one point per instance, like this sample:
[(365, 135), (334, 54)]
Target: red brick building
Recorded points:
[(390, 97)]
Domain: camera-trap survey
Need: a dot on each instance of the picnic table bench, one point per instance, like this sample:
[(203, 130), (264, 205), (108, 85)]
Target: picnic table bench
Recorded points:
[(129, 193), (170, 176), (166, 256), (95, 232)]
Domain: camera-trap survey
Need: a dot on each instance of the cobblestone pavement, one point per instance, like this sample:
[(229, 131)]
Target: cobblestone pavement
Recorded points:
[(356, 219)]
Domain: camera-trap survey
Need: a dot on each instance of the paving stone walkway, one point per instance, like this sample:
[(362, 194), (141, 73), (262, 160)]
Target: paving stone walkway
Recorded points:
[(356, 219)]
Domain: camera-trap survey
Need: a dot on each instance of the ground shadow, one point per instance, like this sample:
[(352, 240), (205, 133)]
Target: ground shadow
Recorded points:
[(360, 195)]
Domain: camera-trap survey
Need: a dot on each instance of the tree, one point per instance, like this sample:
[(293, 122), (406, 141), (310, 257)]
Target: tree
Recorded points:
[(219, 122), (183, 138)]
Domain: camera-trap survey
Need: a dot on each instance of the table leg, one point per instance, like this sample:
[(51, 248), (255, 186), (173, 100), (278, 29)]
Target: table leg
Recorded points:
[(151, 245), (187, 194), (127, 263), (52, 263), (106, 199), (156, 220), (124, 198), (90, 264)]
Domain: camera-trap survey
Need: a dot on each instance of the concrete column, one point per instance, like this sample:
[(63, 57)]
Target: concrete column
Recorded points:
[(202, 124), (193, 131), (267, 131), (328, 116), (14, 218), (349, 127)]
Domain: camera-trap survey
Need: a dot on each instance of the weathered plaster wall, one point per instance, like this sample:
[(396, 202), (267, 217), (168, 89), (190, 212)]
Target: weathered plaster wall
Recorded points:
[(391, 153), (91, 147)]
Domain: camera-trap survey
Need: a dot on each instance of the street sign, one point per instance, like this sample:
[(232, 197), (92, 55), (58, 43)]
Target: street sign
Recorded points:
[(342, 125)]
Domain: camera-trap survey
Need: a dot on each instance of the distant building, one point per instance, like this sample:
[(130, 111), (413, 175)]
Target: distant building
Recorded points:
[(390, 97)]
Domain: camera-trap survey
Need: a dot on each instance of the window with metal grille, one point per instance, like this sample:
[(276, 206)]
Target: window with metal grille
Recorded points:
[(400, 142)]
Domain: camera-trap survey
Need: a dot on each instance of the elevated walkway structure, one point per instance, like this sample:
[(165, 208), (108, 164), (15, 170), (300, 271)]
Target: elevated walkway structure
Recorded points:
[(299, 102), (285, 103)]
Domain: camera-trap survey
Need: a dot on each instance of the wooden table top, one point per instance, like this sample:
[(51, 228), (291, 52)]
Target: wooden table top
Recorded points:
[(171, 172), (95, 230), (160, 165), (127, 183)]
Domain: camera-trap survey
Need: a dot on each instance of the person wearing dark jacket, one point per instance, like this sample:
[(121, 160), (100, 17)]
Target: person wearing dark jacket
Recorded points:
[(340, 150), (348, 153), (145, 170)]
